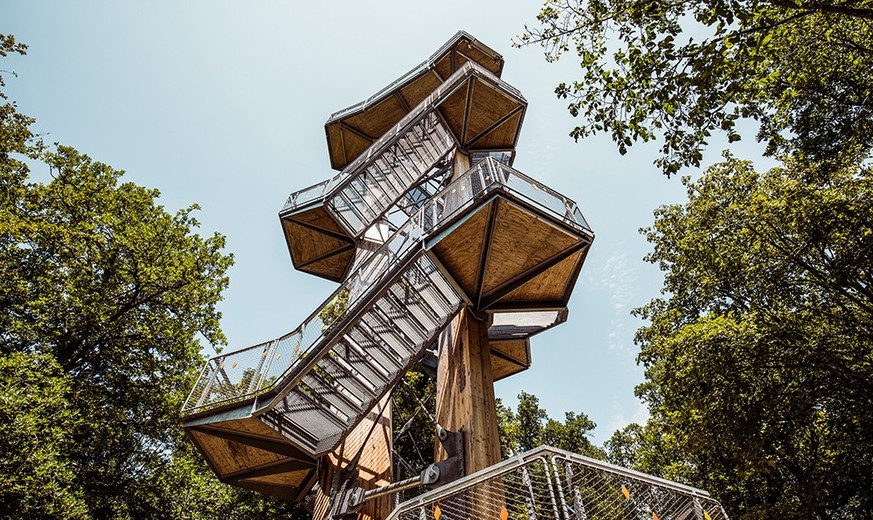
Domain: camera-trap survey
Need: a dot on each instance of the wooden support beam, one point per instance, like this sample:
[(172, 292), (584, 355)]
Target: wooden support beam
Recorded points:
[(465, 391), (324, 231), (460, 164), (491, 297), (256, 441), (370, 443)]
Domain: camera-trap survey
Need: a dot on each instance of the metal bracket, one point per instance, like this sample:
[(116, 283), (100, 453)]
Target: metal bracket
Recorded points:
[(452, 468), (350, 498)]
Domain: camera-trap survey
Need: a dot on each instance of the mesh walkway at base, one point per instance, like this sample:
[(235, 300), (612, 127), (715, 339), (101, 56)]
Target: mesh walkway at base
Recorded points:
[(548, 483)]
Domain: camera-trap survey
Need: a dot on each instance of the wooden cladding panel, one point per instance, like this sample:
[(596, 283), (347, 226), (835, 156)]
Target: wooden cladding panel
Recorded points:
[(308, 244), (460, 251), (230, 456), (502, 136), (281, 491), (487, 106), (444, 66), (251, 425), (353, 146), (509, 357), (378, 119), (480, 57), (332, 267), (520, 242), (291, 479), (318, 216), (415, 92), (453, 110), (552, 284), (335, 147)]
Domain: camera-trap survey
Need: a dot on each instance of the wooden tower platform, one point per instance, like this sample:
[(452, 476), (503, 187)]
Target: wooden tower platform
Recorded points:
[(435, 240)]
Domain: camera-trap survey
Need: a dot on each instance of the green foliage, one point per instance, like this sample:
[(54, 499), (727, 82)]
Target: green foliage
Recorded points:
[(530, 426), (37, 478), (104, 295), (759, 358), (334, 310), (683, 70)]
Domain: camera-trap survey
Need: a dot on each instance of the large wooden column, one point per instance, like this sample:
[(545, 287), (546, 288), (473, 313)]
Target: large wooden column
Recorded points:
[(465, 392), (374, 465)]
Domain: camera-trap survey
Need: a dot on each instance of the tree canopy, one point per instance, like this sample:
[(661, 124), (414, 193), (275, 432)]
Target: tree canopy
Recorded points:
[(679, 71), (104, 296), (759, 356)]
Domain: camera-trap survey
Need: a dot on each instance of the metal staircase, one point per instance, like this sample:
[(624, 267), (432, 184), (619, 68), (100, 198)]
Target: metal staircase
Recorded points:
[(275, 408), (361, 195)]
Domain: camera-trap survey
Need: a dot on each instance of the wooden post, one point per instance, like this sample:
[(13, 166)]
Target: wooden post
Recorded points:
[(465, 382), (374, 464), (460, 164), (465, 391)]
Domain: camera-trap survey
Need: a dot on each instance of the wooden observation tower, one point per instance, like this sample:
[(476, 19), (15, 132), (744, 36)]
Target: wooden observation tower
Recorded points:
[(440, 248)]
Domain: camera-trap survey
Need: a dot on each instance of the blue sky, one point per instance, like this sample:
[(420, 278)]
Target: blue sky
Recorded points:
[(223, 104)]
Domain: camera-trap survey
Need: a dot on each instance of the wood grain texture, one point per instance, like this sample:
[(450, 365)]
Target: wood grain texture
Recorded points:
[(509, 357), (521, 241), (372, 438), (465, 391), (552, 284), (460, 250)]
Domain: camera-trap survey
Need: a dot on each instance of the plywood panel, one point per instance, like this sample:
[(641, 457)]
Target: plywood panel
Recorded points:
[(318, 216), (453, 109), (353, 146), (520, 242), (444, 66), (487, 106), (335, 146), (230, 456), (251, 425), (416, 91), (291, 479), (502, 136), (495, 66), (379, 118), (516, 349), (308, 244), (460, 251), (509, 357), (551, 284), (332, 267)]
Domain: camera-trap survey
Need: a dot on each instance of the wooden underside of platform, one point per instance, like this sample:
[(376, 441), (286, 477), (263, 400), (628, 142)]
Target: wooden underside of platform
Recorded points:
[(318, 244), (249, 454), (354, 133), (504, 255), (509, 357)]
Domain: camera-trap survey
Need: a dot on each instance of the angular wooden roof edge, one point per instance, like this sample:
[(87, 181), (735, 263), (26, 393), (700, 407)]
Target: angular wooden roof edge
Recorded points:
[(416, 71)]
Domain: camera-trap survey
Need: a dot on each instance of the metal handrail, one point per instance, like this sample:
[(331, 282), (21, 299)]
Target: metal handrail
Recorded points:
[(421, 67), (549, 457), (338, 182), (447, 203)]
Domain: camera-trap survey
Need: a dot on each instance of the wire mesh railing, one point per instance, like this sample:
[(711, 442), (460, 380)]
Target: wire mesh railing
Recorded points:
[(547, 483), (357, 187), (240, 375)]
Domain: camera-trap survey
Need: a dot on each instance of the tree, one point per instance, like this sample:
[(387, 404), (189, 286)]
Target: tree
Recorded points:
[(36, 475), (759, 356), (530, 426), (104, 295), (682, 70)]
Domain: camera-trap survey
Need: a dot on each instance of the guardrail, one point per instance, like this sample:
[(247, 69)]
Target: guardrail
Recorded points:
[(243, 374), (548, 483)]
